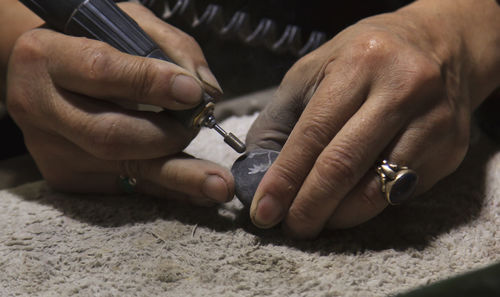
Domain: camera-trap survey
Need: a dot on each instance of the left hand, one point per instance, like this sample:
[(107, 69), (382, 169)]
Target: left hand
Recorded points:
[(381, 89), (67, 94)]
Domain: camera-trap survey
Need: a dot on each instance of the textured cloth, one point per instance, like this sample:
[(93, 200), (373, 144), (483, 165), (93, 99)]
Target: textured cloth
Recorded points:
[(54, 244)]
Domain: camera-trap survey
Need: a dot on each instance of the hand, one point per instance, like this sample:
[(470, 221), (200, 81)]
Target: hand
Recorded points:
[(67, 93), (397, 87)]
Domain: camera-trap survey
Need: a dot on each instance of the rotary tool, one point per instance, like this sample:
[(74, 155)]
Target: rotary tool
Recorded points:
[(103, 20)]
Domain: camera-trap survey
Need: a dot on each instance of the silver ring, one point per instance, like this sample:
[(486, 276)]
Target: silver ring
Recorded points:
[(398, 182), (127, 184)]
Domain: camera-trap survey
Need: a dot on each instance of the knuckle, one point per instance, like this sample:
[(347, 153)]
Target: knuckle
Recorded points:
[(422, 72), (21, 98), (18, 103), (315, 134), (304, 63), (105, 138), (143, 77), (417, 78), (102, 63), (193, 52), (335, 169), (303, 77), (286, 174), (370, 49), (190, 40), (97, 60), (175, 176), (372, 197), (180, 39), (28, 48), (187, 39), (445, 120)]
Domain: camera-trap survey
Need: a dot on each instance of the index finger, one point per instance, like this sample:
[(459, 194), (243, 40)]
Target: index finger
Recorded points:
[(331, 106), (177, 45), (97, 70)]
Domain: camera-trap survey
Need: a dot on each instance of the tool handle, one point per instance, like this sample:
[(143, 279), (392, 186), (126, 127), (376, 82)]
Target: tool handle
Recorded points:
[(97, 19), (103, 20), (54, 13)]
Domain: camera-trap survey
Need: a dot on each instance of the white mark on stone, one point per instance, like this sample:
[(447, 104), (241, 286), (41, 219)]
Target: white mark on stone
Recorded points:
[(257, 168)]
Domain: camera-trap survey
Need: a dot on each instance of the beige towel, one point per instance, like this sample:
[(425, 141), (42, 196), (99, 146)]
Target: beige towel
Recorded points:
[(52, 244)]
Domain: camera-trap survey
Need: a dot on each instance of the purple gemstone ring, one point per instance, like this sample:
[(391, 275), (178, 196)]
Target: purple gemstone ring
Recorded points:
[(398, 182)]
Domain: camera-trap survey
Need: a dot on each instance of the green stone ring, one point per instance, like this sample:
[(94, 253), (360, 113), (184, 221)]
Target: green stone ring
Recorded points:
[(398, 182), (127, 184)]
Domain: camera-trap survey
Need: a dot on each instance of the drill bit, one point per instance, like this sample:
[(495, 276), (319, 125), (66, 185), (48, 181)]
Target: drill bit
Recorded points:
[(229, 138)]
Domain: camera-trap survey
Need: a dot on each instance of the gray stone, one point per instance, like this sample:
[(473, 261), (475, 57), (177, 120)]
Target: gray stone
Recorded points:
[(248, 171)]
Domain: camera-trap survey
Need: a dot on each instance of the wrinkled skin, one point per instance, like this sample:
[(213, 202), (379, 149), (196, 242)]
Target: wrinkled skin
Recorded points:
[(399, 86), (69, 97)]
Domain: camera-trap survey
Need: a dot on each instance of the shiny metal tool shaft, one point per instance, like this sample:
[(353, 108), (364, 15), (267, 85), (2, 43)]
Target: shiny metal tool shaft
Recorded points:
[(229, 138)]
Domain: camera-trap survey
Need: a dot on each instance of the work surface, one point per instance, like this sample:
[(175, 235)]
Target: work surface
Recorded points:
[(53, 244)]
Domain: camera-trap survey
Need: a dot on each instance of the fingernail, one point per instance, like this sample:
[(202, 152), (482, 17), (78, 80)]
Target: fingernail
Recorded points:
[(215, 188), (186, 90), (209, 80), (268, 212)]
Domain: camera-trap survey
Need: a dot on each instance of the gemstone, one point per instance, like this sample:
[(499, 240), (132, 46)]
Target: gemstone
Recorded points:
[(248, 170), (403, 186)]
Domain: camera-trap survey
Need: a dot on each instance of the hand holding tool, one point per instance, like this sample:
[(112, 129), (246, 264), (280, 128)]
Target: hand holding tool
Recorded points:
[(103, 20)]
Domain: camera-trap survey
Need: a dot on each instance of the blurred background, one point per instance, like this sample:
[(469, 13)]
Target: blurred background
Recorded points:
[(250, 44)]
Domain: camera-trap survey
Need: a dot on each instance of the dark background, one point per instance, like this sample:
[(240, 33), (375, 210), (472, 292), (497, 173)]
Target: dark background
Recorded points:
[(242, 68)]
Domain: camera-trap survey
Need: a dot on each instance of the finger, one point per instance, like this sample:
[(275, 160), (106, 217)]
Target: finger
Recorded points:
[(68, 168), (155, 190), (110, 132), (196, 178), (105, 183), (357, 146), (449, 144), (364, 202), (331, 106), (95, 69), (340, 166), (275, 123), (179, 46), (352, 149)]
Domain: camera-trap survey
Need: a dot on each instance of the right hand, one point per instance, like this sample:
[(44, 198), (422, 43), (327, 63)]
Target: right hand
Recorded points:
[(400, 87), (66, 93)]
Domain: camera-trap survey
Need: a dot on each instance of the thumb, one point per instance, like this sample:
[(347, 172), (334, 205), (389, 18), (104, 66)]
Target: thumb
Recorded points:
[(272, 127), (275, 123), (264, 140)]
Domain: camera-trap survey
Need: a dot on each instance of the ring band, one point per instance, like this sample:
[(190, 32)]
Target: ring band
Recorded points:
[(398, 182), (127, 184)]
